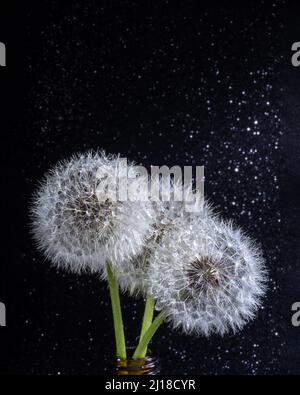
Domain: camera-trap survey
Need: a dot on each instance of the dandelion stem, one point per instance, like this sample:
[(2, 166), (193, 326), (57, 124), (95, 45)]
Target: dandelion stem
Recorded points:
[(117, 312), (148, 317), (140, 351)]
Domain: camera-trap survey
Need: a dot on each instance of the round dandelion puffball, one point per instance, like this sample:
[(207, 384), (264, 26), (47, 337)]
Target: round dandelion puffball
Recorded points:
[(170, 215), (208, 277), (78, 221)]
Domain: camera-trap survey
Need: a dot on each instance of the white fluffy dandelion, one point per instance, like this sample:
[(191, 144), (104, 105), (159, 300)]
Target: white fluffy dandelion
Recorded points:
[(207, 276), (170, 216), (78, 225)]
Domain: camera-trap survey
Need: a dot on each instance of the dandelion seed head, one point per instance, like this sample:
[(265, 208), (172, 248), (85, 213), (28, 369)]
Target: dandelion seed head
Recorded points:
[(169, 216), (77, 222), (208, 276)]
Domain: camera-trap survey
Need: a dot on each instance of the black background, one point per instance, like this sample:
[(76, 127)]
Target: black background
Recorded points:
[(156, 89)]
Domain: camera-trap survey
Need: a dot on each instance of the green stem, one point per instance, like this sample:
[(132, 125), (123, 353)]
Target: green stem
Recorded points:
[(143, 344), (147, 319), (117, 313), (148, 315)]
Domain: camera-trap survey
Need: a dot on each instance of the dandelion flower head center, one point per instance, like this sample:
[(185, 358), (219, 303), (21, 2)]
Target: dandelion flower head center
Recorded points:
[(89, 210), (91, 215), (203, 272)]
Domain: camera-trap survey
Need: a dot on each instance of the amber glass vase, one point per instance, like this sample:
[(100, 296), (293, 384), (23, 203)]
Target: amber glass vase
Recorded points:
[(137, 367)]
